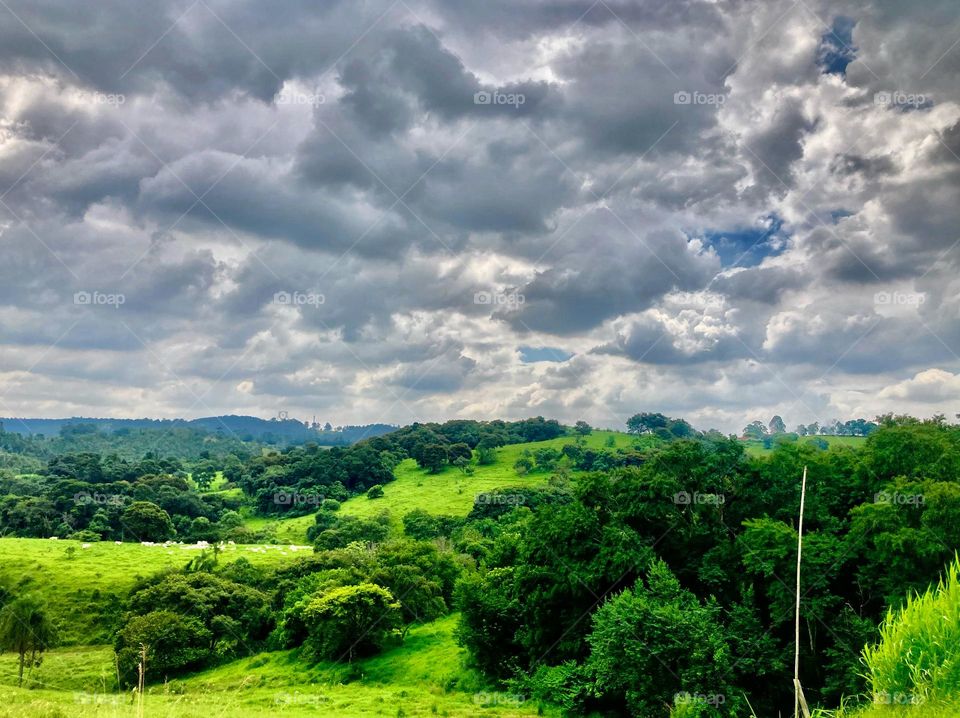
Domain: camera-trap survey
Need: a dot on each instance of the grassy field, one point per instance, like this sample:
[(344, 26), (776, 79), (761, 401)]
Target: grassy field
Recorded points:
[(756, 448), (79, 586), (424, 676), (448, 492)]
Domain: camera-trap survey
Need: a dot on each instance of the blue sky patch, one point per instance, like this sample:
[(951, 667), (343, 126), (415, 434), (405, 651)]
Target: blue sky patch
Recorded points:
[(748, 246), (836, 46)]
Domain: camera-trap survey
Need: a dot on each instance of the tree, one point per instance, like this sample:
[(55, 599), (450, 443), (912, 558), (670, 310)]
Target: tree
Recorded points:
[(459, 451), (350, 621), (486, 455), (375, 492), (646, 423), (147, 521), (582, 428), (523, 465), (755, 430), (433, 457), (635, 657), (777, 426), (174, 644), (25, 629)]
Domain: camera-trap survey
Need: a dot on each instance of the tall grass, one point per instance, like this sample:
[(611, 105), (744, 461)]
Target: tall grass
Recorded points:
[(917, 660)]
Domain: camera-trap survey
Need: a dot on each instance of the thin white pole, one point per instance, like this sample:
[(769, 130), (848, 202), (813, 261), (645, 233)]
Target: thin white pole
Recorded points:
[(796, 654)]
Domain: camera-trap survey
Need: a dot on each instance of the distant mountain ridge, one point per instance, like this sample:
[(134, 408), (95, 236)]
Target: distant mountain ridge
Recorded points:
[(248, 428)]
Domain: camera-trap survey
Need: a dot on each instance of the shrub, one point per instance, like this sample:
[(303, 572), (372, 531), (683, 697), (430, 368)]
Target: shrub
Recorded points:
[(174, 643), (350, 621)]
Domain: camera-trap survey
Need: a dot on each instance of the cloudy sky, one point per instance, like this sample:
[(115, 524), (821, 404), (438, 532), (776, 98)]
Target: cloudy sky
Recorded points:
[(416, 210)]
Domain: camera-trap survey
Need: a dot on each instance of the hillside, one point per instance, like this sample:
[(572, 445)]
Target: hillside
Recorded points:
[(84, 584), (450, 491), (423, 676)]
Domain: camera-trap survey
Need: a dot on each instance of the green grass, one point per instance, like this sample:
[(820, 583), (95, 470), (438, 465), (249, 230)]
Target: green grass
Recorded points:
[(448, 492), (81, 591), (914, 669), (424, 676), (918, 656), (755, 447)]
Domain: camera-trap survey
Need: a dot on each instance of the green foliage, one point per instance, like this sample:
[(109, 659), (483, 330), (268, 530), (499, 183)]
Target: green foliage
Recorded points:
[(917, 659), (655, 641), (26, 629), (433, 457), (145, 521), (486, 455), (223, 619), (174, 645), (375, 492), (350, 621), (347, 529), (422, 525)]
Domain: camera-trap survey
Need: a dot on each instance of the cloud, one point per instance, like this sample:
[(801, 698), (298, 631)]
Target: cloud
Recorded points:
[(720, 210)]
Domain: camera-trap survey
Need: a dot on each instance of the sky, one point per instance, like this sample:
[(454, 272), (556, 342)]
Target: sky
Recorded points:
[(422, 210)]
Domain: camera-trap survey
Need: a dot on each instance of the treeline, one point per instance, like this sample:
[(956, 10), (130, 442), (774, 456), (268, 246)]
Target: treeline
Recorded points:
[(778, 428), (90, 497), (129, 443)]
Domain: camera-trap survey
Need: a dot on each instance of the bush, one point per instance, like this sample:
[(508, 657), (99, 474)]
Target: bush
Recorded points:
[(375, 492), (350, 621), (486, 455), (217, 618), (176, 644), (348, 529), (85, 535)]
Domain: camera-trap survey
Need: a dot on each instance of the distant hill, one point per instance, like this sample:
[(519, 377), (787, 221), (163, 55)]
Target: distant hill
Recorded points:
[(245, 428)]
